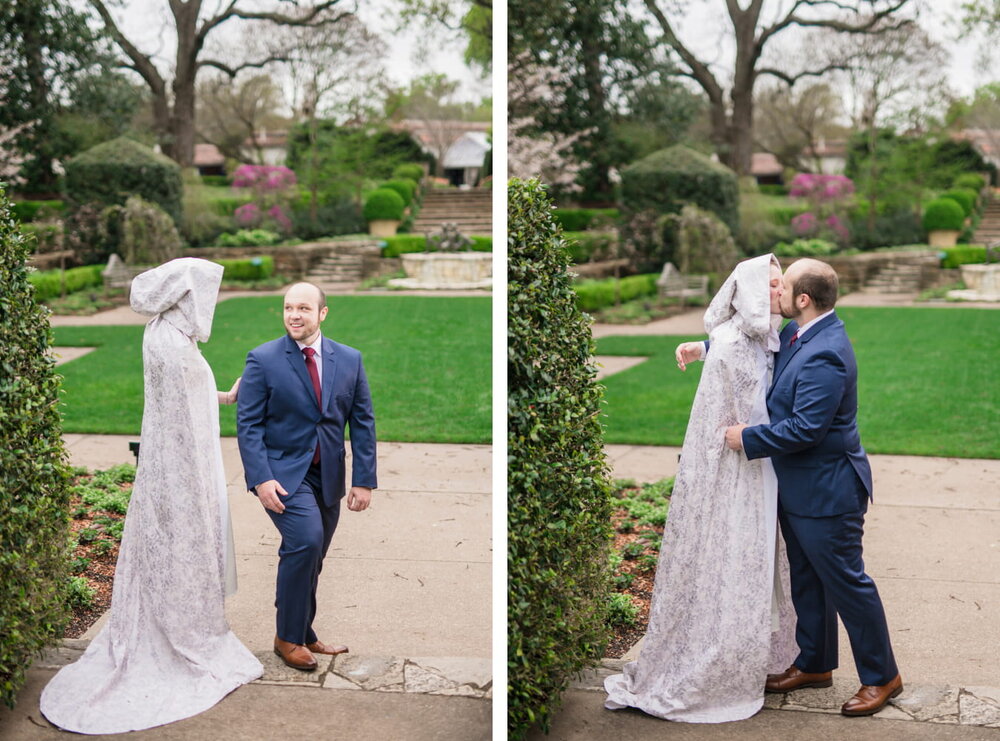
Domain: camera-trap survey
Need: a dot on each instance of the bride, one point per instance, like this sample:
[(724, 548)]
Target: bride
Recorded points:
[(166, 652), (720, 618)]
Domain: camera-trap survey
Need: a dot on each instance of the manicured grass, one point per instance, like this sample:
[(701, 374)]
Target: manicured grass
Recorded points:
[(427, 360), (927, 383)]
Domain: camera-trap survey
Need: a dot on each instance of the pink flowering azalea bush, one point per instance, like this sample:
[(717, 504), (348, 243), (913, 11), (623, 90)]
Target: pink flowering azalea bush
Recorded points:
[(272, 187), (829, 197)]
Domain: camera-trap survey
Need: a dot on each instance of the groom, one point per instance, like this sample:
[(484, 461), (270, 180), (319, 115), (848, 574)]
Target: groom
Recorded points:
[(296, 396), (824, 485)]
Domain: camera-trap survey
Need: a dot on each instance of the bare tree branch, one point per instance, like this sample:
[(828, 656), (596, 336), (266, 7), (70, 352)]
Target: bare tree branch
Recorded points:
[(140, 62), (699, 71), (232, 71), (791, 79)]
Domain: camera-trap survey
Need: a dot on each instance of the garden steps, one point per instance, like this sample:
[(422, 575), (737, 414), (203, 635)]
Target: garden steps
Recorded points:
[(988, 230), (471, 210), (903, 276), (337, 271)]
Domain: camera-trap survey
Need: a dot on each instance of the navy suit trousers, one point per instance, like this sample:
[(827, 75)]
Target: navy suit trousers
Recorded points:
[(306, 528), (828, 578)]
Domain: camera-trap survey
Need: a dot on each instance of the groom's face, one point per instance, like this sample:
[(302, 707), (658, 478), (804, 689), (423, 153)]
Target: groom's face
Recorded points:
[(787, 299), (303, 313)]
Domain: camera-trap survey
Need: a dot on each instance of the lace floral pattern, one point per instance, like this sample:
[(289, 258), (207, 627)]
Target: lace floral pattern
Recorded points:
[(166, 652), (720, 618)]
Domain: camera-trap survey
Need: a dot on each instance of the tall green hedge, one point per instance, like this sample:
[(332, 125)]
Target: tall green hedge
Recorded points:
[(665, 180), (559, 493), (34, 478), (111, 172), (597, 294), (50, 283)]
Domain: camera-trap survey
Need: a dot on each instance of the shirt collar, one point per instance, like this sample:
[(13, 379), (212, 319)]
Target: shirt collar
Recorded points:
[(805, 327), (317, 345)]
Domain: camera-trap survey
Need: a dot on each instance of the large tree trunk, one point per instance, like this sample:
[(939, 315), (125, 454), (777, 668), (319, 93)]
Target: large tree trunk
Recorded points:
[(599, 156)]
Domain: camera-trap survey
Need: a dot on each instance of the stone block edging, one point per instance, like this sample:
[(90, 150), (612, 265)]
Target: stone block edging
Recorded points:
[(456, 676), (967, 706)]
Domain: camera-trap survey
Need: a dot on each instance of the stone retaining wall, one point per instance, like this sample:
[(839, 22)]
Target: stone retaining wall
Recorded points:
[(296, 261)]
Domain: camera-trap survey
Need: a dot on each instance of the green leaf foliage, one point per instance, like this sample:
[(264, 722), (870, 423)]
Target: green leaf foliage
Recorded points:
[(408, 171), (581, 219), (559, 491), (50, 283), (111, 172), (251, 268), (943, 213), (596, 294), (964, 197), (405, 187), (384, 203), (405, 243), (971, 180), (665, 180), (963, 254), (34, 507)]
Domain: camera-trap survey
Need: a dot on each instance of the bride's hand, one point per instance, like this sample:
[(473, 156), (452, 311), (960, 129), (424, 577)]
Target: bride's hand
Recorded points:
[(688, 352), (229, 397)]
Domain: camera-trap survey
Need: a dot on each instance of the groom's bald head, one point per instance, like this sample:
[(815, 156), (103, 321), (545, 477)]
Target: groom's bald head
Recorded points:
[(815, 279)]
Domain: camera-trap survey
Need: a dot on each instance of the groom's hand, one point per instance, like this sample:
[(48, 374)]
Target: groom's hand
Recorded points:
[(359, 498), (268, 493), (734, 437)]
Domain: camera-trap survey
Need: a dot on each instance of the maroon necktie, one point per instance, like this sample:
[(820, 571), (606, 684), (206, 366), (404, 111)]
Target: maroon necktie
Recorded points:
[(794, 337), (314, 375)]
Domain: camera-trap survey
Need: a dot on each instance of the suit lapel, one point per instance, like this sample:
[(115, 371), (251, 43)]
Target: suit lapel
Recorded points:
[(298, 363), (329, 371), (786, 352)]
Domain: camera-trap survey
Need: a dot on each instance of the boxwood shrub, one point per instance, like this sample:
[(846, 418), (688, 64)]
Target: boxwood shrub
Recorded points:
[(970, 180), (34, 507), (25, 211), (48, 284), (963, 197), (405, 188), (383, 203), (408, 171), (963, 254), (665, 180), (581, 219), (111, 172), (596, 294), (559, 494), (943, 214), (248, 269), (581, 246), (406, 243), (219, 181), (249, 238)]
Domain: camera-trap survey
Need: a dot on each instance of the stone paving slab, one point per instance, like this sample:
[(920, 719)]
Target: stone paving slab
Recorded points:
[(973, 706), (608, 365), (261, 711)]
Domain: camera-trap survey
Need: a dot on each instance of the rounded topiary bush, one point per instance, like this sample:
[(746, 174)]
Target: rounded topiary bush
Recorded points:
[(148, 236), (963, 197), (559, 494), (408, 171), (665, 180), (111, 172), (384, 204), (34, 478), (970, 180), (405, 188), (943, 214)]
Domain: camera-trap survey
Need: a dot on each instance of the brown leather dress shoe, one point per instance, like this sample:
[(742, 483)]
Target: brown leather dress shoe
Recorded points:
[(321, 648), (870, 698), (794, 679), (295, 655)]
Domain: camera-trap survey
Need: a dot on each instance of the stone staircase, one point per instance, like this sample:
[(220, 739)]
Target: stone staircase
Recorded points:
[(988, 231), (472, 210), (344, 266), (902, 275)]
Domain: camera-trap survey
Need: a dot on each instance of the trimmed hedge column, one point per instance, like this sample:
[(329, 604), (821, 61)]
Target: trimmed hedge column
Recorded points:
[(34, 478), (559, 492)]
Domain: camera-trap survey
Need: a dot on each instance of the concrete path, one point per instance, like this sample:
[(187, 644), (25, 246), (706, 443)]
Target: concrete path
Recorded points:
[(406, 584), (932, 544)]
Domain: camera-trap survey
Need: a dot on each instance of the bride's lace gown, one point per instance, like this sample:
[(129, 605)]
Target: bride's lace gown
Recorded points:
[(721, 616), (166, 652)]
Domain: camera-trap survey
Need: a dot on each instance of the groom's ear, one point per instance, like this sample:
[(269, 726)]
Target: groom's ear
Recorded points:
[(323, 312)]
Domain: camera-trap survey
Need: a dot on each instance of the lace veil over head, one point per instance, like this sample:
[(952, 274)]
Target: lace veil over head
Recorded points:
[(183, 292), (745, 298)]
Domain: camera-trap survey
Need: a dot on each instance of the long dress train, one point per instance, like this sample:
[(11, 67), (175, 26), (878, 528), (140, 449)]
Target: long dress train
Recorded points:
[(720, 617), (166, 652)]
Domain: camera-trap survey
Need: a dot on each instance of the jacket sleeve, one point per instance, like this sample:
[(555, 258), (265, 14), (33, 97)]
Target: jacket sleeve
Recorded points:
[(362, 426), (818, 391), (251, 412)]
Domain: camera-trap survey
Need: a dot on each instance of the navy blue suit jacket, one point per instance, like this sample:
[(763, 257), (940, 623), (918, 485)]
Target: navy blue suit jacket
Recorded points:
[(278, 421), (813, 438)]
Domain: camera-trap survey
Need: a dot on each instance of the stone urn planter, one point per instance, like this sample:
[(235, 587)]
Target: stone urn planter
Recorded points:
[(943, 237), (383, 227), (983, 280)]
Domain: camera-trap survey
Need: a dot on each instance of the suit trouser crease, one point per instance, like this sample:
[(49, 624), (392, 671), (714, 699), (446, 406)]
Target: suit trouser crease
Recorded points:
[(828, 578), (306, 528)]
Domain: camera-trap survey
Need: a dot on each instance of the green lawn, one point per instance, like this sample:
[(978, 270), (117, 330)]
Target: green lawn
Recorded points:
[(427, 359), (929, 383)]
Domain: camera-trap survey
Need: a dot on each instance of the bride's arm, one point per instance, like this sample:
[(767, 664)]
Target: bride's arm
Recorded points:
[(229, 397), (688, 352)]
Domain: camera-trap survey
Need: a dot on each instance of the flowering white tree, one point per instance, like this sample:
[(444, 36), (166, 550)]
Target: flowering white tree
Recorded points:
[(532, 153)]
